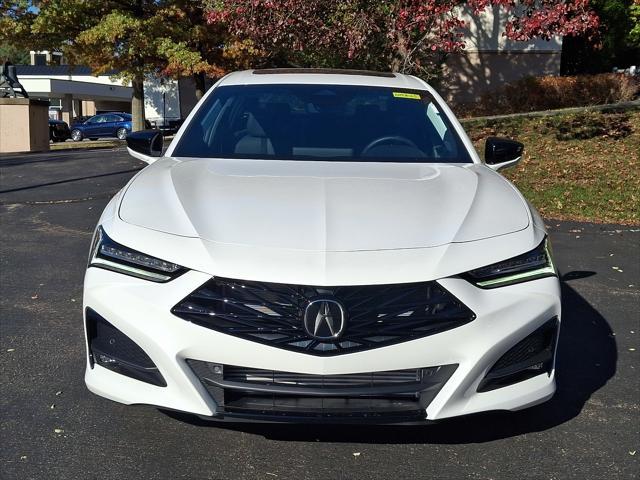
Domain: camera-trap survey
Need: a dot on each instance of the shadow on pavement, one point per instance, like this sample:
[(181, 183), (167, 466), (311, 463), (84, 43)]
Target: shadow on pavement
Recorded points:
[(69, 180), (586, 360)]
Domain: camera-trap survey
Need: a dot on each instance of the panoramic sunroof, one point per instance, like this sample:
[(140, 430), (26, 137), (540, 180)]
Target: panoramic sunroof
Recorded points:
[(369, 73)]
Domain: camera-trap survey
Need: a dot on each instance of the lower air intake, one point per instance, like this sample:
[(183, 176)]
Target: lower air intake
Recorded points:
[(255, 392)]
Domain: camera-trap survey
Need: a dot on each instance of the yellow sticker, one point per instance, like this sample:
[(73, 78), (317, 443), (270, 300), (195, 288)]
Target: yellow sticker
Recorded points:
[(414, 96)]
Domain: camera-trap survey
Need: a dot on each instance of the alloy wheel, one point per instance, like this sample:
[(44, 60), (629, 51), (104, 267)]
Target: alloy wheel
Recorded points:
[(76, 135), (121, 133)]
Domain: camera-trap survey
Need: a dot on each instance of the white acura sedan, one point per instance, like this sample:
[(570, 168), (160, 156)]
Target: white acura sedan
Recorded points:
[(321, 246)]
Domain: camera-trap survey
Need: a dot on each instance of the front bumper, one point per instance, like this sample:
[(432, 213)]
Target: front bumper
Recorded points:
[(141, 310)]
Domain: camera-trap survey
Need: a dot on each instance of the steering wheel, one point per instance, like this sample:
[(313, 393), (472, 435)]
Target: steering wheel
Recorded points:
[(388, 139)]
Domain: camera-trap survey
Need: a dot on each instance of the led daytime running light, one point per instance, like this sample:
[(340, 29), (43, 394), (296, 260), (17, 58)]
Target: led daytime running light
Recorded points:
[(535, 264), (138, 258), (518, 277), (107, 254)]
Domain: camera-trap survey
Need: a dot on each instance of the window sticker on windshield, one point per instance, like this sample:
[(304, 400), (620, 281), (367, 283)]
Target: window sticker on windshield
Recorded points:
[(414, 96)]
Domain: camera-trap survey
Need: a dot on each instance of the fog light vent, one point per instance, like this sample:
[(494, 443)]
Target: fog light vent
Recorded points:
[(528, 358), (112, 349)]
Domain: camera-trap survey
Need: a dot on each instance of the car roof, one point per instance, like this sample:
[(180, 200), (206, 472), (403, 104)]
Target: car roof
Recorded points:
[(111, 113), (322, 76)]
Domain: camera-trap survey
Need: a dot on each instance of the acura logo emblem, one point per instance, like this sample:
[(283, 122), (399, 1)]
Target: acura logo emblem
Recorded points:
[(324, 319)]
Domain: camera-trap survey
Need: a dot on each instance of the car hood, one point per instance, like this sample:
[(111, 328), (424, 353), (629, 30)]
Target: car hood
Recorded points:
[(323, 206)]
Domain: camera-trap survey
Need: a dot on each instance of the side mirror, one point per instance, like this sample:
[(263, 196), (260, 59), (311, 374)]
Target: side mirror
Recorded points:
[(145, 145), (500, 153)]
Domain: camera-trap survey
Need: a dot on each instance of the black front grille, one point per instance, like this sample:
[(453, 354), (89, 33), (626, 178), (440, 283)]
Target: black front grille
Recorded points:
[(272, 313), (257, 392)]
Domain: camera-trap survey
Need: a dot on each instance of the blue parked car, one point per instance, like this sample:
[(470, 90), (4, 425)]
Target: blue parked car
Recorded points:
[(103, 125)]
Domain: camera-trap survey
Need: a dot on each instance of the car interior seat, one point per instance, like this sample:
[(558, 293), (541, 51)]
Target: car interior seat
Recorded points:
[(255, 140)]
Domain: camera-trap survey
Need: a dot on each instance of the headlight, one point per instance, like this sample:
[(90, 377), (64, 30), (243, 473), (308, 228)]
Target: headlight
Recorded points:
[(529, 266), (107, 254)]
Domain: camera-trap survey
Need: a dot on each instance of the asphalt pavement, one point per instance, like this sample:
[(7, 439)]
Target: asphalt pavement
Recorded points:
[(52, 427)]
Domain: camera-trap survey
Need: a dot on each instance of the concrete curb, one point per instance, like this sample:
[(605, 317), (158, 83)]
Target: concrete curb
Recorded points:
[(64, 146)]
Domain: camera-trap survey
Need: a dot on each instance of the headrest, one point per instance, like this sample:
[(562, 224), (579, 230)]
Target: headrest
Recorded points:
[(254, 128)]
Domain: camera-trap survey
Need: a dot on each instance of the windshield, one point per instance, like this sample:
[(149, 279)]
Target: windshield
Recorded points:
[(321, 122)]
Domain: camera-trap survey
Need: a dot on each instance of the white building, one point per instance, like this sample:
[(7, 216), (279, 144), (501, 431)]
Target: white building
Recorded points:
[(490, 59), (74, 91), (161, 100)]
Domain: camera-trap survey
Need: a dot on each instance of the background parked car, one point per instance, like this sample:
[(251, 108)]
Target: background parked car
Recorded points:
[(58, 130), (104, 125)]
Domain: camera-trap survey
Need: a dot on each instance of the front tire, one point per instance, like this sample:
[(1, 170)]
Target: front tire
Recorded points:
[(122, 133), (76, 135)]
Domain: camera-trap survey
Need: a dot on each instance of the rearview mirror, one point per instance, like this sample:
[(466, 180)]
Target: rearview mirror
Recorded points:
[(500, 153), (145, 145)]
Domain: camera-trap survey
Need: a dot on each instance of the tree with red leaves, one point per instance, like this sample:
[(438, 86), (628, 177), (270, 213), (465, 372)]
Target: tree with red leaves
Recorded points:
[(409, 36)]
